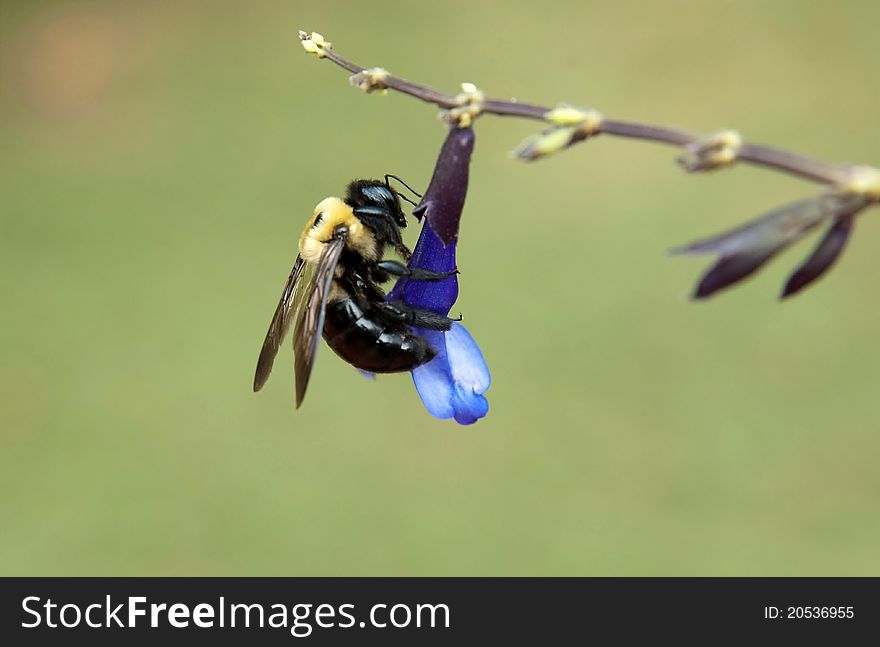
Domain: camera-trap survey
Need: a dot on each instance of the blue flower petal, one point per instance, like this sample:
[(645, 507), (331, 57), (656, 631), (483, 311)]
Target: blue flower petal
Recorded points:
[(452, 384), (430, 254), (433, 380), (466, 362), (469, 406)]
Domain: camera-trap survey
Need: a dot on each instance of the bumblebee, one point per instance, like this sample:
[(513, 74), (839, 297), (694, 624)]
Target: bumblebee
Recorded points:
[(334, 288)]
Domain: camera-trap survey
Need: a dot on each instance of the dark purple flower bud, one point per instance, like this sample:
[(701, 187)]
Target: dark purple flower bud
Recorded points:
[(729, 270), (443, 202), (822, 258), (744, 250)]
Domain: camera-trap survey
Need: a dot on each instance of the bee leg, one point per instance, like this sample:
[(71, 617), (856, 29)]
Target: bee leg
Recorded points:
[(413, 316), (403, 250), (413, 273)]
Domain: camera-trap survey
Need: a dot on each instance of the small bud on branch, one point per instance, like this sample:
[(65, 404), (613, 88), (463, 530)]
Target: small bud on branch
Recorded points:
[(712, 152), (549, 141), (314, 43), (862, 180), (795, 164), (370, 80), (469, 106)]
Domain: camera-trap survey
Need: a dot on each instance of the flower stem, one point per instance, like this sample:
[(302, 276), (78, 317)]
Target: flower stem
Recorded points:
[(792, 163)]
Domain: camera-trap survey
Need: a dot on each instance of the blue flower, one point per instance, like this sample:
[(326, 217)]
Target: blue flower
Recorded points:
[(453, 383)]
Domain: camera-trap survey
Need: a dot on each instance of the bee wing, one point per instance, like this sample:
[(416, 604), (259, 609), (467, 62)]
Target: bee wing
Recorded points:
[(280, 323), (310, 319)]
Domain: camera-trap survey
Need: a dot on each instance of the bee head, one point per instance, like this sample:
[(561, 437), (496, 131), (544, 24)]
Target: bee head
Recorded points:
[(375, 198)]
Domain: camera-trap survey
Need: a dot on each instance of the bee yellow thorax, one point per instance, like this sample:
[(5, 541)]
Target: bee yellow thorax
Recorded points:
[(334, 212)]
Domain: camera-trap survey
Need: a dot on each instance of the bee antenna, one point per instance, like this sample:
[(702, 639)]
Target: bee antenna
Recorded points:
[(407, 199), (414, 192)]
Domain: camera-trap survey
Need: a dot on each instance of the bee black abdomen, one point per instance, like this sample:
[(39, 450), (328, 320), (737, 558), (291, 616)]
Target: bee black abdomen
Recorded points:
[(366, 339)]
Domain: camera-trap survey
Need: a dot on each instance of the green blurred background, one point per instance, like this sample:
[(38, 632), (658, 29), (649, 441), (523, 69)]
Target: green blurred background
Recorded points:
[(159, 161)]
